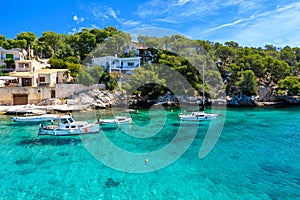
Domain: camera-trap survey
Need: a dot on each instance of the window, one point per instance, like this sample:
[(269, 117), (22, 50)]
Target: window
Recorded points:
[(26, 82), (9, 56), (42, 79), (24, 65), (131, 64)]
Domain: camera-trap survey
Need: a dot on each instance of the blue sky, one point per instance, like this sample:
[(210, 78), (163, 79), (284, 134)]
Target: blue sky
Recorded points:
[(248, 22)]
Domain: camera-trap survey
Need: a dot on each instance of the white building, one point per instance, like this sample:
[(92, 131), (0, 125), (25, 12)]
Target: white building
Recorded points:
[(112, 63), (14, 54), (30, 73)]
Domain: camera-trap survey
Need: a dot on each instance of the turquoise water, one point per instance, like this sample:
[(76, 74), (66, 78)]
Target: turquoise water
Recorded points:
[(256, 157)]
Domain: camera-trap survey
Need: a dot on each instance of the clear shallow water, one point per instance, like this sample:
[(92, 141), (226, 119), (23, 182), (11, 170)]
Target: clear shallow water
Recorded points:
[(256, 157)]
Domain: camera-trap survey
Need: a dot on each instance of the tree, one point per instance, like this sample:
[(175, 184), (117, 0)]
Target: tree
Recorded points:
[(150, 42), (83, 43), (279, 70), (225, 52), (232, 44), (96, 72), (288, 55), (111, 30), (100, 35), (57, 63), (269, 47), (290, 84), (29, 37), (145, 82), (84, 77), (10, 63), (73, 69), (52, 40), (248, 83), (2, 38), (21, 44)]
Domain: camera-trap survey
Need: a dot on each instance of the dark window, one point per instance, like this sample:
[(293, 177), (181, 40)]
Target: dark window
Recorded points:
[(42, 79), (131, 64), (26, 82)]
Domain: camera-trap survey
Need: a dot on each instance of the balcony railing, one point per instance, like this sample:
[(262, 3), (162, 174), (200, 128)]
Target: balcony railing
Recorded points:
[(124, 67), (23, 70), (44, 84)]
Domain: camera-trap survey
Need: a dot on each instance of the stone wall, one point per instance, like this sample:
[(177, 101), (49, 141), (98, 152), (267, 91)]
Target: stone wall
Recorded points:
[(41, 93), (35, 94), (66, 90)]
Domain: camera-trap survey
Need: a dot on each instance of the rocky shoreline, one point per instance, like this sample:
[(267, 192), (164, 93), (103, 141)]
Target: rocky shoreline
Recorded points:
[(102, 99)]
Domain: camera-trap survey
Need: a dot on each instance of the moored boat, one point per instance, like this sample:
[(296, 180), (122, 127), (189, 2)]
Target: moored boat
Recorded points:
[(116, 120), (197, 116), (36, 118), (68, 126)]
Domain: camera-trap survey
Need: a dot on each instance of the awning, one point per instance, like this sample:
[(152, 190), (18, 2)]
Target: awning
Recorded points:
[(8, 78)]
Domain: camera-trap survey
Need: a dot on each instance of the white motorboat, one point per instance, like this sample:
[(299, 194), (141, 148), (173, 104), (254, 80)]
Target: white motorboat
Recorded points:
[(36, 118), (116, 120), (68, 126), (197, 116)]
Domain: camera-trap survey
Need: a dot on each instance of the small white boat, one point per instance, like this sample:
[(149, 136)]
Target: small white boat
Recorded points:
[(197, 116), (37, 118), (116, 120), (68, 126)]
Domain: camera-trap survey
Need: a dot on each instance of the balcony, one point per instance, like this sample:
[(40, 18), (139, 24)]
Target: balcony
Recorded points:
[(44, 84), (23, 69)]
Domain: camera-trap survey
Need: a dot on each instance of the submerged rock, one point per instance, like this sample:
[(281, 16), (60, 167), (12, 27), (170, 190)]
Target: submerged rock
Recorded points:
[(111, 183)]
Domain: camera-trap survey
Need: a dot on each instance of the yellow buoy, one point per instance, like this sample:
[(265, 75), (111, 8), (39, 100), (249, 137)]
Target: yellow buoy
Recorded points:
[(146, 161)]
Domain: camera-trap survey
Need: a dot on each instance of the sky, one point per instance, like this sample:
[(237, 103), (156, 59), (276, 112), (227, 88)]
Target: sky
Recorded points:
[(248, 22)]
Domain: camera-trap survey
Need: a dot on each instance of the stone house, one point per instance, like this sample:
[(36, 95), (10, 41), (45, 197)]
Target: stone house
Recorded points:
[(32, 83)]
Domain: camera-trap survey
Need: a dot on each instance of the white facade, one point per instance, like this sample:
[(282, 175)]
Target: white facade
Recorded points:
[(15, 54), (111, 63), (27, 65), (30, 73)]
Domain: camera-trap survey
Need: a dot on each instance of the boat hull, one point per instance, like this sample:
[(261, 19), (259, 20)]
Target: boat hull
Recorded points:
[(195, 116), (54, 130), (34, 119), (117, 120)]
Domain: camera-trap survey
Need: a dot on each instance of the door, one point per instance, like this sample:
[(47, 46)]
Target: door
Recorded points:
[(52, 93), (20, 99)]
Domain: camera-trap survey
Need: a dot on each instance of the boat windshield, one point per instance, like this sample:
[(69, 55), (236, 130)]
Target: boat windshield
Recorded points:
[(70, 120)]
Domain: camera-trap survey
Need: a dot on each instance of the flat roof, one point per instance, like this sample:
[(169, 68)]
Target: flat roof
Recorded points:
[(25, 61), (50, 71), (22, 74)]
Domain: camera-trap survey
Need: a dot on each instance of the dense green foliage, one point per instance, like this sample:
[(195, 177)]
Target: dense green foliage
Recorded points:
[(241, 69), (248, 84), (290, 85)]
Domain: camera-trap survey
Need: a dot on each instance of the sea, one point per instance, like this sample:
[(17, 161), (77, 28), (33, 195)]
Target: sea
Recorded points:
[(246, 153)]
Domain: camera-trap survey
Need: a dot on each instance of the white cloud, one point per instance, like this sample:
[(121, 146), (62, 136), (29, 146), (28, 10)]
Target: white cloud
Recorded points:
[(167, 20), (103, 13), (182, 10), (279, 27), (182, 2), (112, 13), (77, 19), (129, 22), (225, 25), (249, 22)]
